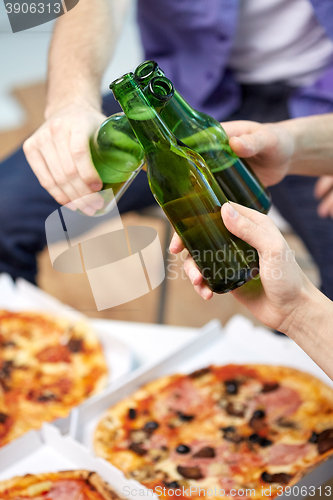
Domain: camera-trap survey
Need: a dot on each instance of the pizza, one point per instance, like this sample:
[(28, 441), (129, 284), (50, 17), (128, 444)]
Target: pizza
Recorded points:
[(67, 485), (48, 365), (224, 429)]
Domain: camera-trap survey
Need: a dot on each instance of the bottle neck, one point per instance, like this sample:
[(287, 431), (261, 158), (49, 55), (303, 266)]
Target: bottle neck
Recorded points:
[(144, 119)]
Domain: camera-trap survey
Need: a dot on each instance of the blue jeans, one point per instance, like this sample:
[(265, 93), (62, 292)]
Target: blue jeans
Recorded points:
[(25, 205)]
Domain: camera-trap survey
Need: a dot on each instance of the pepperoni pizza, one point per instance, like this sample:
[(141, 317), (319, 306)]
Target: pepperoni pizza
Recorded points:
[(68, 485), (48, 365), (221, 428)]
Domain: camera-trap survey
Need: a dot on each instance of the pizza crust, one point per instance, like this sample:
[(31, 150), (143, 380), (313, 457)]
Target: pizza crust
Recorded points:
[(19, 484)]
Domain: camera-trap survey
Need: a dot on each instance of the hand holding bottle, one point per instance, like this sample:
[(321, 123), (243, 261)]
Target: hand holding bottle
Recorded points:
[(269, 148), (58, 153), (282, 288)]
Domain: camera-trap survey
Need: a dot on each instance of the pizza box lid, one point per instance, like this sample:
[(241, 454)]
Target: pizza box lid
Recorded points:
[(47, 451), (238, 342)]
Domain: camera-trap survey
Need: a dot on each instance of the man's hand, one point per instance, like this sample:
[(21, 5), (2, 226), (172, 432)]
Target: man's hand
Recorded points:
[(268, 148), (59, 154), (324, 192), (283, 288)]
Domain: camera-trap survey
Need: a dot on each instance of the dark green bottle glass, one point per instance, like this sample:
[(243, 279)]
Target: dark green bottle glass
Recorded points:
[(206, 136), (186, 190)]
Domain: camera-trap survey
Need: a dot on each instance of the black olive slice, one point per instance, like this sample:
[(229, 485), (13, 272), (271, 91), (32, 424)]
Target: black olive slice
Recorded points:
[(182, 448), (184, 417), (190, 472), (151, 426), (314, 438), (231, 386), (75, 345), (172, 484), (132, 413)]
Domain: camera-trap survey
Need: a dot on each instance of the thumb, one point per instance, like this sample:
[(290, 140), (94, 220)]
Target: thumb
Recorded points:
[(247, 145), (256, 229)]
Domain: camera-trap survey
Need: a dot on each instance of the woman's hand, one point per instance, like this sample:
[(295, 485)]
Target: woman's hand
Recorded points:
[(282, 289), (268, 148)]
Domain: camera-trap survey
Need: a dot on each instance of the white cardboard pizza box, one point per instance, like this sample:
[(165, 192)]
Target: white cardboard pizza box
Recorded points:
[(47, 451), (239, 342)]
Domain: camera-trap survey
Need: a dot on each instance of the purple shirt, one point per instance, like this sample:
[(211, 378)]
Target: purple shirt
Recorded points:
[(192, 39)]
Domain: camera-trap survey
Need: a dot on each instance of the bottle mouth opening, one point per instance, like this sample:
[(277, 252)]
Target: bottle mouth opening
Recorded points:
[(122, 82), (161, 87), (145, 70)]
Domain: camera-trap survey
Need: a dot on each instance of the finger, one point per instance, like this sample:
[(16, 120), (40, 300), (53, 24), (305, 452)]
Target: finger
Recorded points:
[(239, 127), (323, 185), (80, 152), (61, 142), (325, 208), (192, 271), (247, 145), (256, 229), (40, 169), (204, 291), (51, 158), (176, 244)]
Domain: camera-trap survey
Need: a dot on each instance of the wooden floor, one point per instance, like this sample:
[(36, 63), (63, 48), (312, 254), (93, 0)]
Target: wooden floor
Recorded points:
[(174, 302)]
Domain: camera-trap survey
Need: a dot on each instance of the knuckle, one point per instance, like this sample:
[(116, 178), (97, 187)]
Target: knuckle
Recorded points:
[(56, 126), (28, 146), (42, 137), (79, 150), (70, 169)]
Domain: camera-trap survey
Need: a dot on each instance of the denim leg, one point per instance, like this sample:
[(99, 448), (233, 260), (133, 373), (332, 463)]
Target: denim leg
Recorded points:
[(294, 199)]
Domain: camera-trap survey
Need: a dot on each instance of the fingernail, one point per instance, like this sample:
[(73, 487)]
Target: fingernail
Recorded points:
[(244, 143), (71, 206), (98, 204), (232, 212), (96, 186), (89, 211), (193, 273)]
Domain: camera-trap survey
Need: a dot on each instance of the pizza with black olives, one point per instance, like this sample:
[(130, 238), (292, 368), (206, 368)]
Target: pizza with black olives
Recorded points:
[(48, 365), (223, 428)]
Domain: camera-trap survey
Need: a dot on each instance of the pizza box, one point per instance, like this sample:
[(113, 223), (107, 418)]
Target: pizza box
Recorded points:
[(48, 451), (238, 342)]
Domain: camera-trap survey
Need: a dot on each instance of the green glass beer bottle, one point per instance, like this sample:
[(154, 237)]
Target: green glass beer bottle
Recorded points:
[(186, 190), (206, 136), (117, 156)]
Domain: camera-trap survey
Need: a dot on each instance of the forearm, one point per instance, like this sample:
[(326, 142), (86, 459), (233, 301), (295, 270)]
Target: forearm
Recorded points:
[(313, 152), (81, 48), (312, 328)]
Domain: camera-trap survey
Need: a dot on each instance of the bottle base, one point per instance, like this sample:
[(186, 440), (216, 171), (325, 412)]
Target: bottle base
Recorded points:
[(226, 286)]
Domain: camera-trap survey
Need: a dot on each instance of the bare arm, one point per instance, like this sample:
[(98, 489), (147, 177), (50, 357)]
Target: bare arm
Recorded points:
[(284, 298), (58, 152)]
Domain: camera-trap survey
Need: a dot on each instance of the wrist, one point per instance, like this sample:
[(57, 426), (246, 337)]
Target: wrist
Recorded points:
[(56, 102), (306, 315)]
